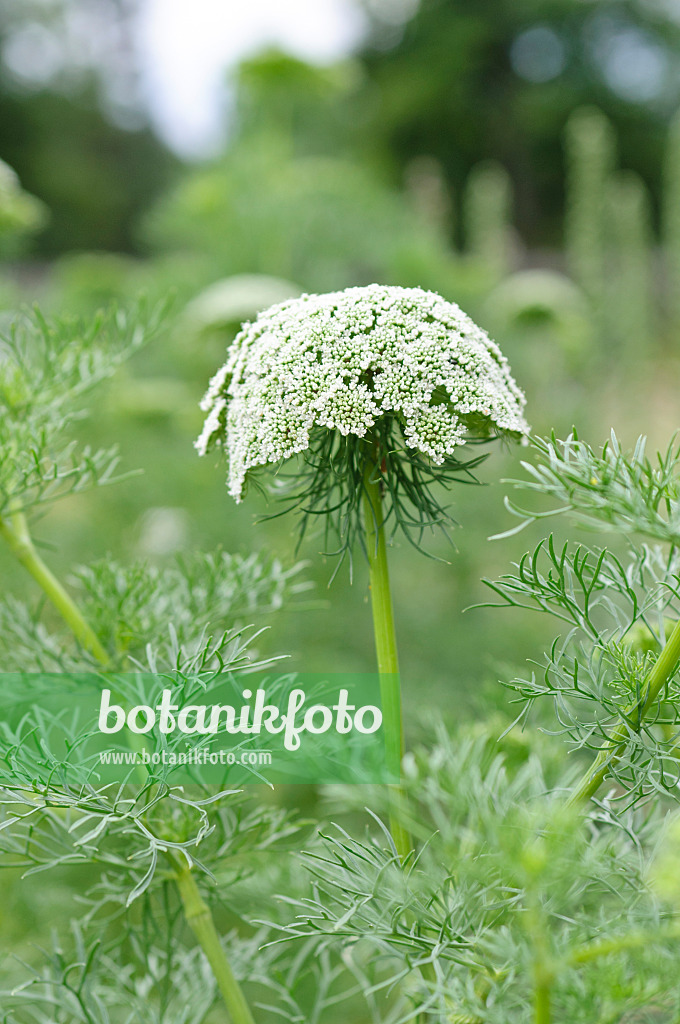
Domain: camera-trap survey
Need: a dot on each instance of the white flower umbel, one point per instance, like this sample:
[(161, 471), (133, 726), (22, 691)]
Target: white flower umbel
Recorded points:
[(347, 360)]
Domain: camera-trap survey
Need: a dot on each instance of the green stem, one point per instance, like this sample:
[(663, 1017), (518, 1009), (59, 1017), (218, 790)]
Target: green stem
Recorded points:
[(616, 744), (543, 969), (542, 1003), (385, 644), (15, 531), (199, 919)]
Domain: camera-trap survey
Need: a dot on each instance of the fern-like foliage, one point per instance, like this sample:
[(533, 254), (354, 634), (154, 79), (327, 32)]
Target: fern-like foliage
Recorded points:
[(616, 610), (508, 883), (608, 488), (45, 369)]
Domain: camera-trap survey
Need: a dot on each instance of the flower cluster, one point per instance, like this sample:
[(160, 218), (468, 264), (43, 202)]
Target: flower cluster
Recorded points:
[(346, 360)]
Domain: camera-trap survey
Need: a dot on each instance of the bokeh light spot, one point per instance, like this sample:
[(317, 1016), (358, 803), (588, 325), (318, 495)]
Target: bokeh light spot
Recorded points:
[(538, 54)]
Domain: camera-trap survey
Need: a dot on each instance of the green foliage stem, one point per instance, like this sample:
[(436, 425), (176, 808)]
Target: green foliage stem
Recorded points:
[(385, 638), (633, 716), (542, 1003), (199, 919), (15, 531)]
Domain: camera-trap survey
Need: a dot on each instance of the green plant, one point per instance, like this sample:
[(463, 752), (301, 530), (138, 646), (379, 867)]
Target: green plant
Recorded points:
[(671, 224), (591, 155), (488, 217), (631, 309), (514, 883), (183, 621), (21, 214), (543, 888), (376, 389)]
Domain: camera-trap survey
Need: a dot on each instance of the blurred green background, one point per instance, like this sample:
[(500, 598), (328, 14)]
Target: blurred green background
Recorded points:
[(522, 157)]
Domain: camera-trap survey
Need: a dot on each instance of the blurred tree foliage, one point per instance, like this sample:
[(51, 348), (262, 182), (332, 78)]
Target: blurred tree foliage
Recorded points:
[(71, 125), (463, 82), (95, 178), (451, 80), (20, 213), (290, 196)]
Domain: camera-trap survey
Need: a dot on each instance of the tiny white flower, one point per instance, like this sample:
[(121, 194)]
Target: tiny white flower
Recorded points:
[(345, 360)]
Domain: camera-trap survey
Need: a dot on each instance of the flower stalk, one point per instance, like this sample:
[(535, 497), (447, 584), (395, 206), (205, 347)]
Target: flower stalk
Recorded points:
[(385, 641), (633, 717)]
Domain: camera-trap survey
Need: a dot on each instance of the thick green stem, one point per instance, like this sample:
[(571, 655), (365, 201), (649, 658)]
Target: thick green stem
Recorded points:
[(199, 919), (15, 531), (385, 644), (634, 714)]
